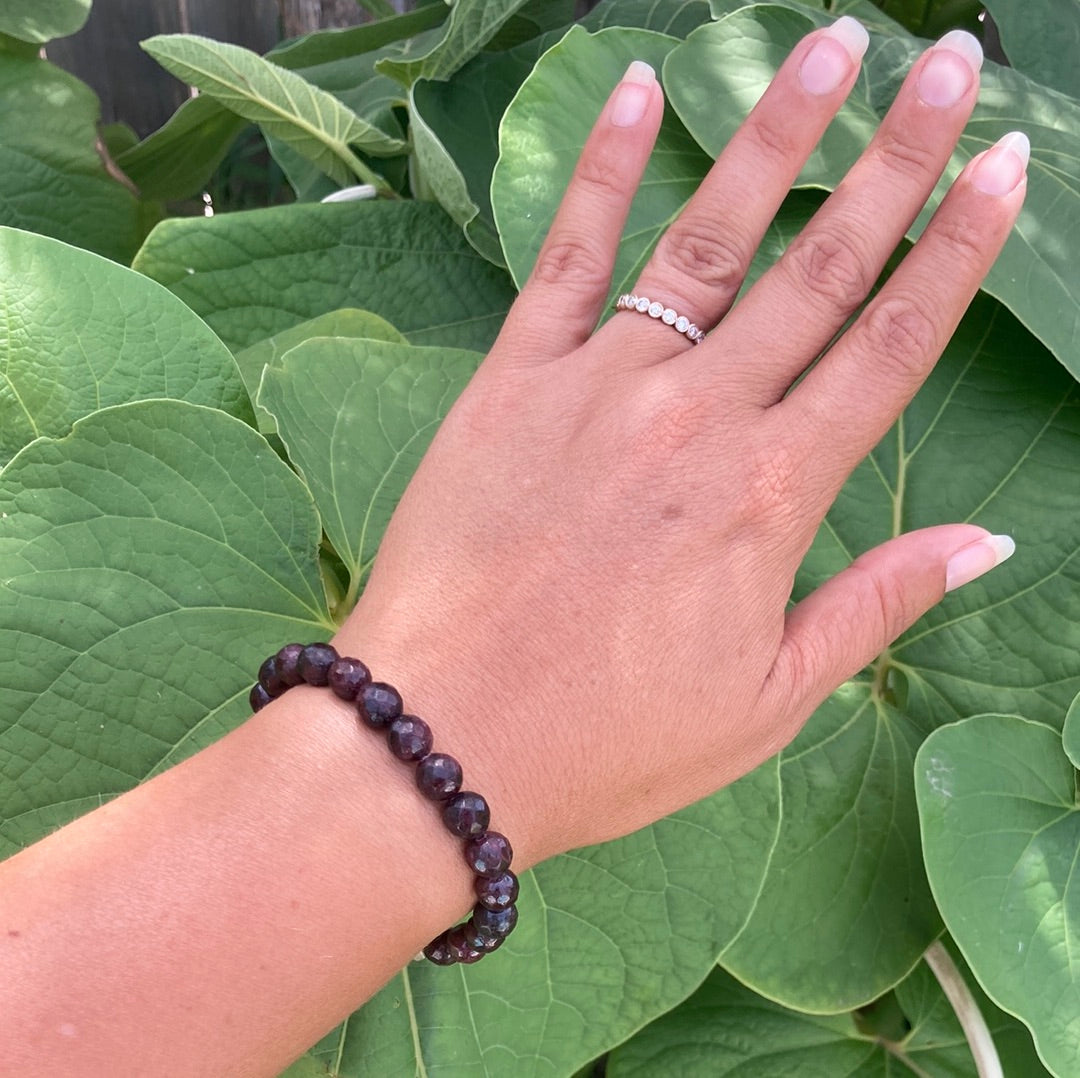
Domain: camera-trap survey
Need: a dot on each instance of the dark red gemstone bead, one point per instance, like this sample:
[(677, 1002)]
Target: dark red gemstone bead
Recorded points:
[(466, 814), (489, 853), (270, 679), (378, 704), (460, 945), (496, 892), (494, 922), (258, 697), (409, 738), (438, 952), (438, 776), (347, 677), (315, 663), (288, 664)]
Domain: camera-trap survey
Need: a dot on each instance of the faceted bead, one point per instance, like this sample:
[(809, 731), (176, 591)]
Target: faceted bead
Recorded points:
[(494, 922), (347, 677), (438, 776), (409, 738), (438, 952), (489, 854), (315, 663), (496, 892), (642, 304), (655, 310), (459, 944), (378, 704), (270, 679), (288, 664), (682, 323), (258, 697), (466, 814), (668, 316)]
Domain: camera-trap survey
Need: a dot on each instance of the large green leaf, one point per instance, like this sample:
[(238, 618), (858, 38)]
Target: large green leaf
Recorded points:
[(1001, 830), (251, 275), (472, 24), (178, 159), (1041, 38), (311, 121), (80, 333), (39, 21), (356, 417), (845, 879), (725, 1029), (609, 938), (544, 129), (148, 561), (52, 179), (1035, 275)]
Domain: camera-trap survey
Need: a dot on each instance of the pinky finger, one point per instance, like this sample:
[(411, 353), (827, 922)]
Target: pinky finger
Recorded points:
[(573, 270)]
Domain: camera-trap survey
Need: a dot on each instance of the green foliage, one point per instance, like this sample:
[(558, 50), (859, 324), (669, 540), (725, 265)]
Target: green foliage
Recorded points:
[(148, 512)]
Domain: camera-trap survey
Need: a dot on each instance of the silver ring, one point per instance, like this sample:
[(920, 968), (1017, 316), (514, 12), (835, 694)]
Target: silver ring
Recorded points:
[(678, 322)]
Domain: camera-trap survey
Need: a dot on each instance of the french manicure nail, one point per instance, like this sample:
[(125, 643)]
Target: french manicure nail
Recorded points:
[(632, 95), (837, 50), (950, 69), (971, 561), (1002, 167)]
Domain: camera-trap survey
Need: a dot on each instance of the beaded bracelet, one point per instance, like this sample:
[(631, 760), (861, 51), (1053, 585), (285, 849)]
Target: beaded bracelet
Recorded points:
[(438, 777)]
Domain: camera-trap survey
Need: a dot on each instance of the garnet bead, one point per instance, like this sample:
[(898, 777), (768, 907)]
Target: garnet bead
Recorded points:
[(438, 776), (409, 738), (466, 814), (270, 679), (499, 923), (288, 664), (496, 892), (459, 944), (438, 952), (346, 677), (378, 704), (489, 853), (315, 663), (258, 697)]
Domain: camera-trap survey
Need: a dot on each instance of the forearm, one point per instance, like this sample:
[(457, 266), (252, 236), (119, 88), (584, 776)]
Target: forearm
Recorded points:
[(220, 918)]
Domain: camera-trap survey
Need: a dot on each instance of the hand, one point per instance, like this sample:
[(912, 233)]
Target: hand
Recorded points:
[(585, 587)]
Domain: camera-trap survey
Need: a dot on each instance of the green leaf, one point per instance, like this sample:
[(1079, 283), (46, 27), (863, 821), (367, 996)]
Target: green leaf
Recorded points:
[(356, 417), (81, 332), (542, 134), (251, 275), (39, 21), (52, 179), (1000, 830), (148, 561), (1041, 38), (312, 122), (1034, 276), (609, 938), (845, 879), (1070, 734), (472, 24), (347, 322), (531, 20), (178, 159), (725, 1029)]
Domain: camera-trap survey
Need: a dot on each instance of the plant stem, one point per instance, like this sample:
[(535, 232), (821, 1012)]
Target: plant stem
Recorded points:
[(383, 189), (987, 1064)]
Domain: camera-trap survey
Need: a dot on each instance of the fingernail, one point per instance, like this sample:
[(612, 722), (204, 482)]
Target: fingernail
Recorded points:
[(1002, 167), (970, 562), (837, 50), (950, 69), (632, 95)]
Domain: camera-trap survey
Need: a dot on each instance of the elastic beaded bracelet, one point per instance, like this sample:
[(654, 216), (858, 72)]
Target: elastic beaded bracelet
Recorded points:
[(438, 777)]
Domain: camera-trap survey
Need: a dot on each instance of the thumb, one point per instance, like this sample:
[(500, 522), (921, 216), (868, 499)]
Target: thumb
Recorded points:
[(848, 621)]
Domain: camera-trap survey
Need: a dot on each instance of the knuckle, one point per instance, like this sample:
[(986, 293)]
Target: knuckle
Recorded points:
[(570, 260), (667, 420), (772, 483), (884, 596), (908, 158), (717, 261), (771, 137), (603, 175), (831, 268), (964, 237), (901, 333)]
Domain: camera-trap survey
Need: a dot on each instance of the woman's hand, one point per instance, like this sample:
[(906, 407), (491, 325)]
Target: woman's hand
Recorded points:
[(585, 587)]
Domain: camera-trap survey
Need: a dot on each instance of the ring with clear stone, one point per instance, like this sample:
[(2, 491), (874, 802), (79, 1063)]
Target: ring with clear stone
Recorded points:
[(678, 322)]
